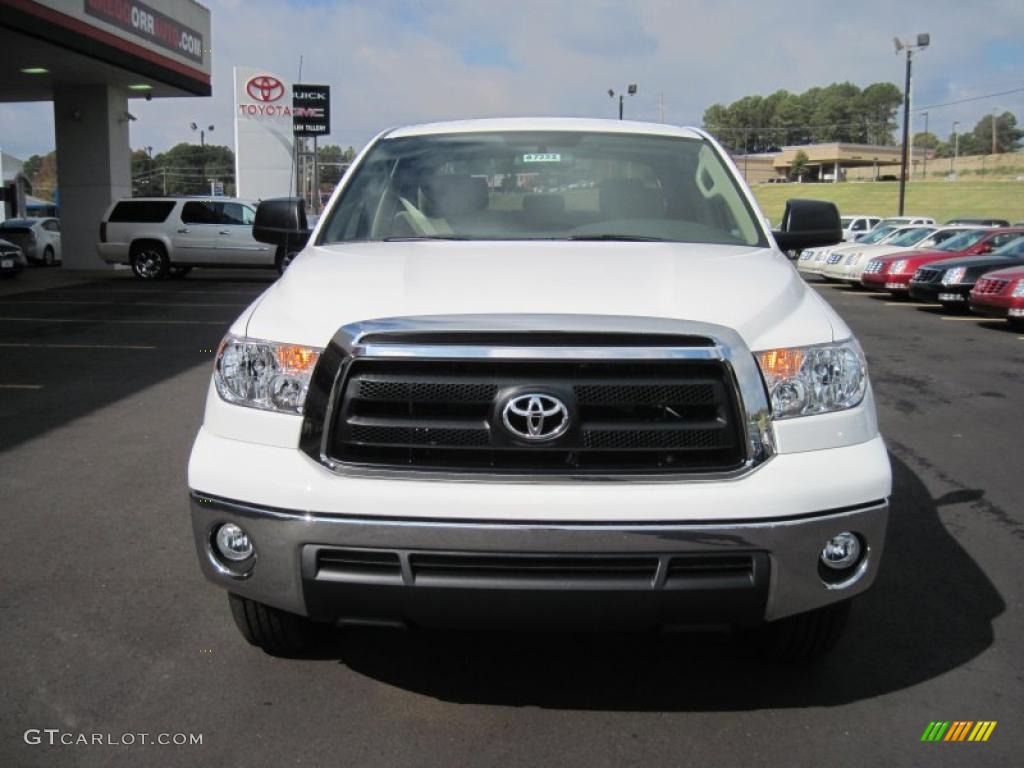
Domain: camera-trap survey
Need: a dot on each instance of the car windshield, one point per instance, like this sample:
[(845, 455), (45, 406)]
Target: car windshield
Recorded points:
[(876, 234), (963, 241), (1012, 249), (559, 185), (911, 236)]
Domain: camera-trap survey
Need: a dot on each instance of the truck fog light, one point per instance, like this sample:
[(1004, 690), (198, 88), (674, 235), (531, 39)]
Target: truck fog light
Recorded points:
[(233, 543), (841, 551)]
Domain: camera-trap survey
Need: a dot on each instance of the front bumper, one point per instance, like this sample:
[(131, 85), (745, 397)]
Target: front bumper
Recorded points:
[(552, 575), (997, 305)]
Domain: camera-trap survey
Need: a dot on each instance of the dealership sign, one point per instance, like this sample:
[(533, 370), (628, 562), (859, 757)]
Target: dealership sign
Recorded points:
[(140, 20), (311, 110), (263, 134)]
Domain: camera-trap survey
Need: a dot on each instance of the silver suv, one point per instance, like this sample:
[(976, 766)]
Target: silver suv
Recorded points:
[(161, 236)]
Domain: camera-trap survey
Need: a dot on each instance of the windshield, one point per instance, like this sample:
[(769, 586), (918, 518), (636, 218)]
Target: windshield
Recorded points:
[(846, 221), (559, 185), (911, 236), (1013, 248), (963, 241), (876, 234)]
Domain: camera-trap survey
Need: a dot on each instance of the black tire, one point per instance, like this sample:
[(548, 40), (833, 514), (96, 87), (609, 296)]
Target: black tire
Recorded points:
[(176, 271), (49, 258), (806, 635), (149, 261), (277, 632)]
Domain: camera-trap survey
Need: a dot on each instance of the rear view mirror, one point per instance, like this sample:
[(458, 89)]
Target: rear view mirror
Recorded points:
[(808, 224), (282, 221)]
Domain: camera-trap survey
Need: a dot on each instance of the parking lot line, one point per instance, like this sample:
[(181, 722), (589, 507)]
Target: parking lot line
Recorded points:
[(21, 386), (26, 345), (119, 322), (907, 304), (964, 319)]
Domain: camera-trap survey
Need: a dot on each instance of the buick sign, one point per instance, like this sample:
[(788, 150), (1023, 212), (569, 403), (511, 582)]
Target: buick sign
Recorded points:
[(311, 110)]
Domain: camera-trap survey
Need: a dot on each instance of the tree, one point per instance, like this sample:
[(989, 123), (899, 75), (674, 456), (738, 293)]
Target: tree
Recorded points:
[(1008, 135), (185, 169), (798, 168), (331, 159), (924, 140)]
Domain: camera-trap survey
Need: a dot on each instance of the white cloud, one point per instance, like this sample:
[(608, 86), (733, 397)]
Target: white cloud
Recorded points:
[(392, 62)]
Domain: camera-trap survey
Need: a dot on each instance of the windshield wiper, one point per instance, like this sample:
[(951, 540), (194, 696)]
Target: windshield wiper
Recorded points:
[(625, 238)]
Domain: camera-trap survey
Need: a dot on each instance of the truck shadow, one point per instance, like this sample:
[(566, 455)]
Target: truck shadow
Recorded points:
[(930, 611)]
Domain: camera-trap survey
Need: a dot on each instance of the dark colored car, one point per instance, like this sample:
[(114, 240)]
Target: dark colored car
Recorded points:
[(892, 273), (981, 222), (1001, 294), (949, 282), (12, 260)]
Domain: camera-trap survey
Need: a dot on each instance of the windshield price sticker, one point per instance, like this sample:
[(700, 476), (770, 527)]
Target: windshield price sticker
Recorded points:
[(542, 157)]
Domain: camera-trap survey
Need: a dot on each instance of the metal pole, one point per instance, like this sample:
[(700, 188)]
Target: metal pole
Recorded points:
[(956, 145), (620, 106), (925, 173), (906, 136), (316, 176), (993, 130)]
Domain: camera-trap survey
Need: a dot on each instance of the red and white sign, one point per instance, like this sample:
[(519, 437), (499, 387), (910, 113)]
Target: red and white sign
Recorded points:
[(263, 133)]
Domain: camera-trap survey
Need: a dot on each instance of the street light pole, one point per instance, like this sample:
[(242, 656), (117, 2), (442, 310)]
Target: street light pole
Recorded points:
[(630, 90), (925, 171), (922, 42), (956, 149)]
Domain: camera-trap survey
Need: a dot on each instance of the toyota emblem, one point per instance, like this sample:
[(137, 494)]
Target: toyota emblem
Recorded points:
[(535, 417), (264, 88)]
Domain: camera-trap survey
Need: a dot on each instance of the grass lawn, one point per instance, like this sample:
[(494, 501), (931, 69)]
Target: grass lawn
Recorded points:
[(938, 199)]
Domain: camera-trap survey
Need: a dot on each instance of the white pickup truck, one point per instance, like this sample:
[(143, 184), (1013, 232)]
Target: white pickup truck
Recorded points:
[(541, 372)]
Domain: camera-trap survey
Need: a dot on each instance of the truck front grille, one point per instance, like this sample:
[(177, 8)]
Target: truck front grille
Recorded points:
[(624, 416), (925, 275)]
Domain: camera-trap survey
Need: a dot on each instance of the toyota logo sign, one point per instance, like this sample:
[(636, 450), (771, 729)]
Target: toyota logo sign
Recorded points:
[(535, 417), (264, 88)]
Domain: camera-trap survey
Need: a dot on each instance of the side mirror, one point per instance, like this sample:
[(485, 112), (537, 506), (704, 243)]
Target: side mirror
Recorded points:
[(985, 248), (808, 224), (282, 221)]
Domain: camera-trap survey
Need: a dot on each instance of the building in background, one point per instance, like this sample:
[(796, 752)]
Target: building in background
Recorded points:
[(90, 57)]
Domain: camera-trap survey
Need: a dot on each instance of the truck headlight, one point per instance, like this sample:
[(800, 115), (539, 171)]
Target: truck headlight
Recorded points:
[(818, 379), (953, 276), (264, 374)]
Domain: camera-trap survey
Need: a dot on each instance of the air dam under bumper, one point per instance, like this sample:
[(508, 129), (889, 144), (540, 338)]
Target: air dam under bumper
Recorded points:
[(571, 575)]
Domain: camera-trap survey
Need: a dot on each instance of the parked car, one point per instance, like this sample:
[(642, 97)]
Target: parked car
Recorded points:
[(981, 222), (38, 238), (1000, 294), (949, 282), (12, 260), (849, 267), (857, 224), (161, 236), (903, 221), (813, 260), (407, 428), (892, 273)]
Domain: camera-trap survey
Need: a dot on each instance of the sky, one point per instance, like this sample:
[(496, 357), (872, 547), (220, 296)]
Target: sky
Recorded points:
[(391, 63)]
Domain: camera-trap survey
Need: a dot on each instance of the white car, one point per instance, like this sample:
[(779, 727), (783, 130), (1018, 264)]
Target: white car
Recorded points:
[(857, 224), (38, 238), (617, 405), (168, 236), (813, 260), (850, 267)]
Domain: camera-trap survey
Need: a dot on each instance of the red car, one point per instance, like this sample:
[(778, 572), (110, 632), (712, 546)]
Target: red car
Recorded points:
[(892, 273), (1001, 294)]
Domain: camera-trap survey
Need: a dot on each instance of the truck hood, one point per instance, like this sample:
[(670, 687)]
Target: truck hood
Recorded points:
[(755, 291)]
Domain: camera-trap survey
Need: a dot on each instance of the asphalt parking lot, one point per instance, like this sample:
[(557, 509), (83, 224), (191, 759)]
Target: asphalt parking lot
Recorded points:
[(108, 627)]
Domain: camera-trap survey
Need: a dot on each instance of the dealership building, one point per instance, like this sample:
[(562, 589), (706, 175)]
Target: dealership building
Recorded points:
[(89, 58)]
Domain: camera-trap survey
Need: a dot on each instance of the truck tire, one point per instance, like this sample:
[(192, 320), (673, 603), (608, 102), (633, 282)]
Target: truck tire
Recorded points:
[(48, 256), (277, 632), (806, 635), (149, 261)]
